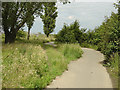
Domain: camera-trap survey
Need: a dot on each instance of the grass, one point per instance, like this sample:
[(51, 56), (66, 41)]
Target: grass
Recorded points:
[(60, 57), (42, 38), (113, 70), (21, 65), (31, 64), (86, 45)]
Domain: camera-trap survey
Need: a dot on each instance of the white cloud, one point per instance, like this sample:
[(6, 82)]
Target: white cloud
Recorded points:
[(83, 13), (70, 17)]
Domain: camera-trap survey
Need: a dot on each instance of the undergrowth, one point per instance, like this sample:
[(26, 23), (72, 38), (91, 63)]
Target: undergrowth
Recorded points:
[(31, 64)]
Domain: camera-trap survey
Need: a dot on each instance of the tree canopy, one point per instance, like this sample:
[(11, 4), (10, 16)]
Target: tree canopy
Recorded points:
[(71, 33), (15, 15), (49, 17)]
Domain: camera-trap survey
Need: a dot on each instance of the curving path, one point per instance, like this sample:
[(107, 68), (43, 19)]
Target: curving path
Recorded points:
[(86, 72)]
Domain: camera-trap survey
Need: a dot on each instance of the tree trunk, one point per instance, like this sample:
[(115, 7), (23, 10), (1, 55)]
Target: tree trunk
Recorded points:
[(28, 34), (47, 35), (10, 37)]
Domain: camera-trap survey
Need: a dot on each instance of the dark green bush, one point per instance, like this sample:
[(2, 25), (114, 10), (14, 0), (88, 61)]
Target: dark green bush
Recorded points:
[(70, 34), (106, 36), (21, 34)]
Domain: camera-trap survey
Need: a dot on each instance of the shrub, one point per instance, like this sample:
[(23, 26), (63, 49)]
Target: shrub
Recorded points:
[(21, 34), (69, 34)]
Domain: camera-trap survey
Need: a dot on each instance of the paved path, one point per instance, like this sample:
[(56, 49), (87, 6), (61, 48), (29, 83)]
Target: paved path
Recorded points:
[(51, 44), (86, 72)]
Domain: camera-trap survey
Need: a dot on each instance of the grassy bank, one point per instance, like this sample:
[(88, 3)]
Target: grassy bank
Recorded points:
[(86, 45), (31, 64), (23, 65), (59, 57), (113, 70)]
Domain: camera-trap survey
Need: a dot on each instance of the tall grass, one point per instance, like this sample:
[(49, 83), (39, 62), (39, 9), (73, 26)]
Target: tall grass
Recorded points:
[(28, 65), (114, 62), (42, 38), (86, 45), (59, 58), (23, 65), (0, 61), (113, 70), (71, 51)]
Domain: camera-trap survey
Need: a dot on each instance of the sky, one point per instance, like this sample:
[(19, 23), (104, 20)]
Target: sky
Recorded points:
[(89, 15), (93, 0)]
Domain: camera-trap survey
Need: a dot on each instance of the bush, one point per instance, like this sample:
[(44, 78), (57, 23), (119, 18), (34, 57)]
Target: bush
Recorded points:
[(106, 36), (21, 34), (69, 34)]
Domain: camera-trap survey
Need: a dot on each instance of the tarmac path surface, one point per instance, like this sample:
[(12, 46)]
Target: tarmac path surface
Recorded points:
[(86, 72)]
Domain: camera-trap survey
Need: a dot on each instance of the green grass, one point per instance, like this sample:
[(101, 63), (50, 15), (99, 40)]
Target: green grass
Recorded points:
[(42, 38), (21, 65), (86, 45), (113, 69), (59, 58), (31, 64)]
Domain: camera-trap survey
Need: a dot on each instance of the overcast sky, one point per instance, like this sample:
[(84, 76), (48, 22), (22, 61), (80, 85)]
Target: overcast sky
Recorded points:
[(93, 0), (89, 14)]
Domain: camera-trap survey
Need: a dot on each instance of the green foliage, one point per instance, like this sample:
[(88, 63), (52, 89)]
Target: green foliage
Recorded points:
[(72, 50), (87, 45), (106, 36), (27, 65), (21, 67), (21, 34), (59, 57), (15, 15), (115, 61), (70, 34), (109, 36), (65, 35), (65, 1), (49, 17), (29, 24)]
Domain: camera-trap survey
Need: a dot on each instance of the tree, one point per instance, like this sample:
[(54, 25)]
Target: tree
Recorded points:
[(29, 25), (107, 35), (66, 35), (15, 15), (119, 23), (21, 34), (71, 34), (64, 1), (49, 17), (119, 12)]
